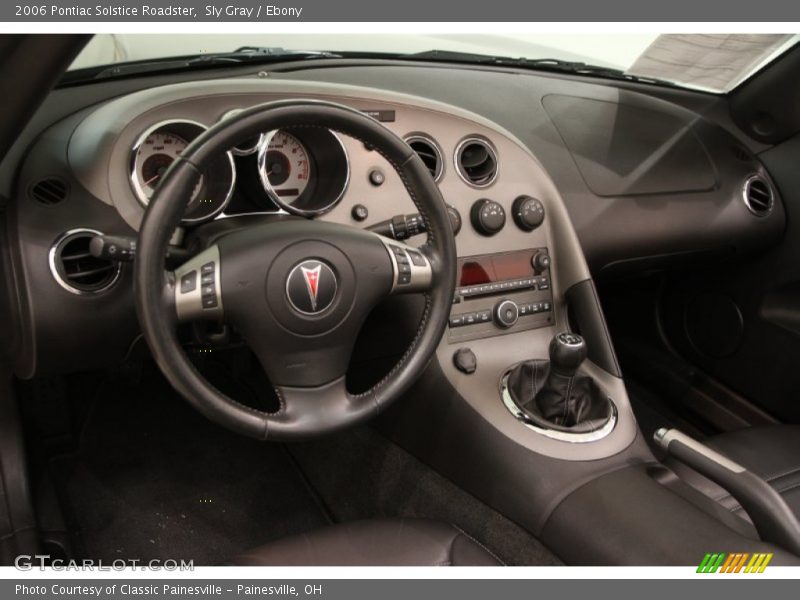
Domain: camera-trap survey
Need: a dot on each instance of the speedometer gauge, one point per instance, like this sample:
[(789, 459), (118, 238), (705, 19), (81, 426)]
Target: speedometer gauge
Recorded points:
[(286, 169), (160, 146), (154, 156)]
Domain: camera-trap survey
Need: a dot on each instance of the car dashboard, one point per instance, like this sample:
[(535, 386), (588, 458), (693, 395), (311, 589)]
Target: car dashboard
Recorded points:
[(551, 158)]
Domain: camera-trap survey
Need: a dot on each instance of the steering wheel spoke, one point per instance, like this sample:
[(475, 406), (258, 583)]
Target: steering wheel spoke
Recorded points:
[(198, 289), (412, 270)]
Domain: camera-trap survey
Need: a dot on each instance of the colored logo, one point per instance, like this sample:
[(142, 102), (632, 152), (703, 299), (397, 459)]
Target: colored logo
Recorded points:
[(312, 281), (736, 562), (311, 287)]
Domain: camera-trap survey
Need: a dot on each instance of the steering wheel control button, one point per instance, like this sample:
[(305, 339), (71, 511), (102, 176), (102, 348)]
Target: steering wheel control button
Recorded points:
[(416, 258), (189, 282), (506, 313), (197, 293), (311, 287), (360, 213), (488, 217), (412, 270), (527, 212), (465, 361)]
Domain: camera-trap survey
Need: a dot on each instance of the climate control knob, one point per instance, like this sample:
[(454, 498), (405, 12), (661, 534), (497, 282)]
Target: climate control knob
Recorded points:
[(527, 212), (506, 313), (488, 217)]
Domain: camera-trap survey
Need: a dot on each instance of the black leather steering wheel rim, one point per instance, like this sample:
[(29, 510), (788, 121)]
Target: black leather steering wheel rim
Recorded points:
[(304, 412)]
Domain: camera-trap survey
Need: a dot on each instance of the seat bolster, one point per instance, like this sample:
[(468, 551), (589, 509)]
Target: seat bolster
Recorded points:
[(379, 542)]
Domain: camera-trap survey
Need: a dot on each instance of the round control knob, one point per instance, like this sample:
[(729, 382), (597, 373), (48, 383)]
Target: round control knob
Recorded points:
[(487, 217), (506, 313), (527, 212), (540, 262), (455, 218)]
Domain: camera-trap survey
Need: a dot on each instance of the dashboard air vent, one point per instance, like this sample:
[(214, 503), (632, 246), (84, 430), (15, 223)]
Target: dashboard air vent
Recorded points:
[(49, 191), (476, 162), (74, 267), (759, 197), (429, 152)]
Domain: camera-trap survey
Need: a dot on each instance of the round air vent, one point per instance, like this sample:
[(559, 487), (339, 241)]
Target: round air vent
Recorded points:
[(758, 195), (74, 267), (476, 162), (429, 152), (49, 191)]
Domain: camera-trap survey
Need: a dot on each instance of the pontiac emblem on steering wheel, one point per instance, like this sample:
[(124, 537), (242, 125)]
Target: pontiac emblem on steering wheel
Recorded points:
[(311, 287)]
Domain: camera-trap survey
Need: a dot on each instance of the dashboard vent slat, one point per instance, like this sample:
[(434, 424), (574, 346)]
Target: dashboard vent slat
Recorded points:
[(49, 191), (476, 162), (74, 267), (429, 152), (758, 195)]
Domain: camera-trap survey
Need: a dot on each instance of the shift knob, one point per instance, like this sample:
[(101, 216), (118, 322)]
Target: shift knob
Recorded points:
[(567, 352)]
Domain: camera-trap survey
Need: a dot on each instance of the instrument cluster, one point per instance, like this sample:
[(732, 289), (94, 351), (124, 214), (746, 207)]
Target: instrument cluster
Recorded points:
[(302, 172)]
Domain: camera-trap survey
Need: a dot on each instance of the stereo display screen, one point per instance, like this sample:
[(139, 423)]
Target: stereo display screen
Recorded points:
[(491, 268)]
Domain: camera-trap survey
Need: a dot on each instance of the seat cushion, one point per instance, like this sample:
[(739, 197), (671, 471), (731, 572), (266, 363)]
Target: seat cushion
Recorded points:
[(380, 542), (773, 453)]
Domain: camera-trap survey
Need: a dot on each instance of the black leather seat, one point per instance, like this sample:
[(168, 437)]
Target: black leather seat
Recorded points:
[(380, 542), (773, 453)]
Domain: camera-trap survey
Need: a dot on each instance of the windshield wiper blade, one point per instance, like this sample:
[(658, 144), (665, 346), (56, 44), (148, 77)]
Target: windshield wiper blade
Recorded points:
[(540, 64), (243, 55)]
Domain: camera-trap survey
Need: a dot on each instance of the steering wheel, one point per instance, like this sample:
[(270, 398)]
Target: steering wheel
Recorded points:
[(296, 290)]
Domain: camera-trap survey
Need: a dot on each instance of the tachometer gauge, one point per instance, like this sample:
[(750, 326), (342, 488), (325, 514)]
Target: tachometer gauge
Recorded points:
[(160, 146), (304, 171), (286, 168)]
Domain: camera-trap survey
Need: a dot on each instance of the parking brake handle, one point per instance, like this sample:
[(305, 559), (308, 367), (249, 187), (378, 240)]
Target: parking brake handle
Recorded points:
[(772, 517)]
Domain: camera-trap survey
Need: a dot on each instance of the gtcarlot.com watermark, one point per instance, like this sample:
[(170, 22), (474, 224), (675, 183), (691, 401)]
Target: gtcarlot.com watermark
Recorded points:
[(28, 562)]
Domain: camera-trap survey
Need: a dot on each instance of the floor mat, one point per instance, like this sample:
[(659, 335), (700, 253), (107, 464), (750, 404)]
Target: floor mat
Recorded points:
[(154, 479), (360, 474)]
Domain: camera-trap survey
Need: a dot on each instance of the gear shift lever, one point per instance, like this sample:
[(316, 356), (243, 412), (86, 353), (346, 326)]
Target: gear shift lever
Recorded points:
[(553, 393), (556, 398), (567, 352)]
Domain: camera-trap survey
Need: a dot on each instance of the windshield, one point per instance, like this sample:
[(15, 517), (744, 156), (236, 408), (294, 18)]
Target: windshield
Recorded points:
[(710, 62)]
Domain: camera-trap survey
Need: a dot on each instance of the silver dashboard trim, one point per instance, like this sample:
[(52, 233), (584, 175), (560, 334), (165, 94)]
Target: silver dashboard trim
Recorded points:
[(51, 259), (262, 175), (554, 434), (424, 137), (139, 192), (746, 186), (490, 147)]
